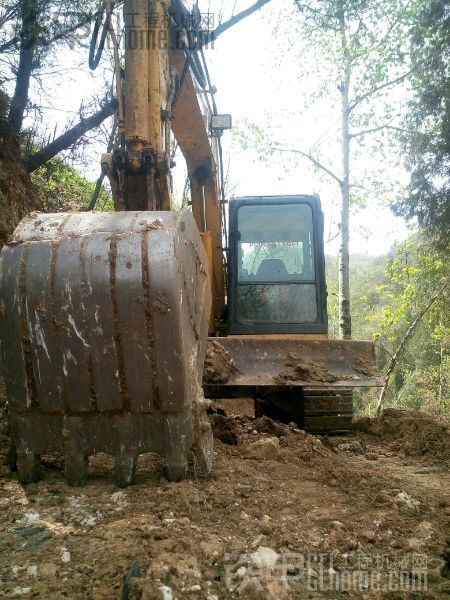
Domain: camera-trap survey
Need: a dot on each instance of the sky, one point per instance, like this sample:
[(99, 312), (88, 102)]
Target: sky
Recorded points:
[(260, 79)]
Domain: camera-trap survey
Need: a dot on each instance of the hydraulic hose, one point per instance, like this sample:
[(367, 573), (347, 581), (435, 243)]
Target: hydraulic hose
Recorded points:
[(95, 54)]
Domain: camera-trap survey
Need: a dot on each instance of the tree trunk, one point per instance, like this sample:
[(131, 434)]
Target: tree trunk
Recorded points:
[(345, 324), (27, 45), (72, 135), (441, 404)]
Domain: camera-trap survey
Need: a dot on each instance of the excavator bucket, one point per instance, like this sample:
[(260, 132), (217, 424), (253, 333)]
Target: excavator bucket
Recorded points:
[(103, 325)]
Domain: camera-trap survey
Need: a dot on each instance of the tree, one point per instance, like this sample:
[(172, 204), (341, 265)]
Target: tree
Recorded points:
[(360, 44), (32, 32), (409, 332), (410, 325), (62, 188), (427, 138), (400, 301)]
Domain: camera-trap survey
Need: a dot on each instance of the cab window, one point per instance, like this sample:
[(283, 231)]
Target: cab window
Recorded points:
[(276, 268)]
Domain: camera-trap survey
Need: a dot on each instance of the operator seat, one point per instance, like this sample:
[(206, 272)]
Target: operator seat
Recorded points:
[(272, 269)]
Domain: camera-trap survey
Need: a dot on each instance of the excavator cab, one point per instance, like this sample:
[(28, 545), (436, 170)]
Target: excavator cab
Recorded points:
[(276, 266), (277, 349)]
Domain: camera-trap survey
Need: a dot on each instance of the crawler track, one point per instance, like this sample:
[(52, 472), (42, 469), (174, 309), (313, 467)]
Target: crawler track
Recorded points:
[(327, 411)]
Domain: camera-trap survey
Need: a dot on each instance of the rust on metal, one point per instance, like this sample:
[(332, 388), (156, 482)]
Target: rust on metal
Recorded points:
[(274, 361), (103, 340), (327, 411)]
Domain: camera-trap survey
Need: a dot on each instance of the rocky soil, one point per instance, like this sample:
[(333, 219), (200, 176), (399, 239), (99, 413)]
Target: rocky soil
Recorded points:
[(17, 194), (284, 515)]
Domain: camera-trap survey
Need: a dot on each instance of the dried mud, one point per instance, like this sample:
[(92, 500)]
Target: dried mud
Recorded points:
[(303, 369), (219, 365), (412, 432), (345, 499)]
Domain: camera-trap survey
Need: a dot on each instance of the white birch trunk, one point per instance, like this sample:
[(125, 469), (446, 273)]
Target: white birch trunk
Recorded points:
[(345, 324)]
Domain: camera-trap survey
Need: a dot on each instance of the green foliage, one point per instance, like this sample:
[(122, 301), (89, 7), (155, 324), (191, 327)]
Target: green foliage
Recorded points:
[(249, 135), (64, 189), (56, 22), (415, 273), (387, 295), (427, 141), (367, 273)]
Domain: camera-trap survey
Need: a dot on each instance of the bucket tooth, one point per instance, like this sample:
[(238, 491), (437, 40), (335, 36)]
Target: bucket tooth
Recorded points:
[(203, 451), (176, 449), (176, 463), (76, 466), (28, 467), (126, 463), (176, 471)]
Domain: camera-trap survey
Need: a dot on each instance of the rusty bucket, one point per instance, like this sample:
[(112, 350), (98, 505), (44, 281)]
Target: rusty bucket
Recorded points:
[(103, 328)]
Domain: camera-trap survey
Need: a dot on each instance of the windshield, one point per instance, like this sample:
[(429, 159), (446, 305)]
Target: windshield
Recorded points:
[(276, 271), (275, 243)]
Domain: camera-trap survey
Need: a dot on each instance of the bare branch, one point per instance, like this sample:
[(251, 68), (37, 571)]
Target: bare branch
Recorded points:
[(330, 239), (84, 20), (213, 35), (69, 30), (315, 162), (378, 88), (71, 136), (375, 129), (16, 39), (12, 42)]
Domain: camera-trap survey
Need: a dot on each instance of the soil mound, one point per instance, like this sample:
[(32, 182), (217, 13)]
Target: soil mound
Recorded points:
[(18, 196), (266, 425), (219, 365), (413, 432), (225, 429), (299, 368)]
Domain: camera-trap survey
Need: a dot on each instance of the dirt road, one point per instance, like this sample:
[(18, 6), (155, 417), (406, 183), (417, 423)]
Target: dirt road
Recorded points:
[(284, 515)]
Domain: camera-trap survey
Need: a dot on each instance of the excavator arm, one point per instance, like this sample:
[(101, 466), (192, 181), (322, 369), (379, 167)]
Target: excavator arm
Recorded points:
[(199, 148)]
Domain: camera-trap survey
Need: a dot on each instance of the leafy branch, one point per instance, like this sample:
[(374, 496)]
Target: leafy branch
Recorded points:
[(234, 21), (403, 343), (314, 161), (69, 137), (384, 126), (378, 88)]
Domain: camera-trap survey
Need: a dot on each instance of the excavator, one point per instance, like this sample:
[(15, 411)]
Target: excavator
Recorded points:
[(119, 329)]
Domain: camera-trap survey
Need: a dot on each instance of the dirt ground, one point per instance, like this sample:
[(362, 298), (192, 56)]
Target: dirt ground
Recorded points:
[(283, 515)]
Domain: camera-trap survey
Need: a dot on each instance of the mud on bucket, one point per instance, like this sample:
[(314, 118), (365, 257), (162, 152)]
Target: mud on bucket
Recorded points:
[(103, 328)]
